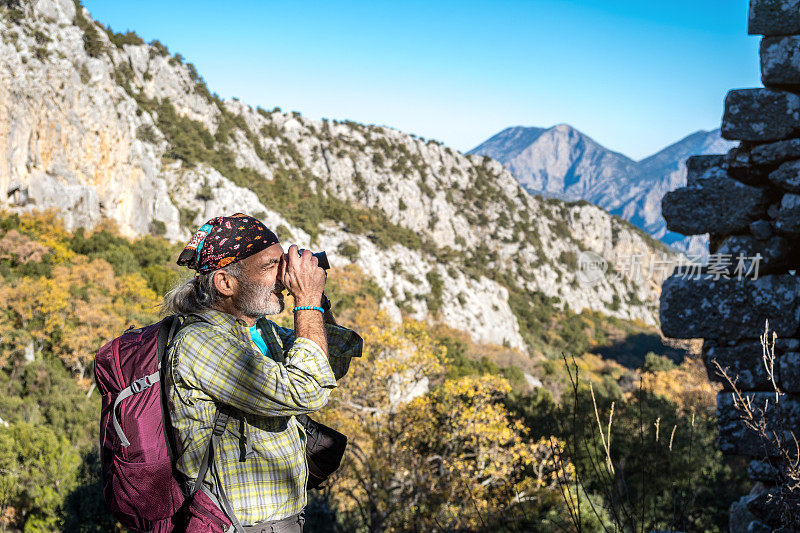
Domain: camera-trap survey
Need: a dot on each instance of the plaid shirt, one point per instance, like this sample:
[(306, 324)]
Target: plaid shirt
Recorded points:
[(219, 362)]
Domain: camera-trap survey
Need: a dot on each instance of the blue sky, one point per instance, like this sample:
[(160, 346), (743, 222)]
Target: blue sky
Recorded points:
[(634, 75)]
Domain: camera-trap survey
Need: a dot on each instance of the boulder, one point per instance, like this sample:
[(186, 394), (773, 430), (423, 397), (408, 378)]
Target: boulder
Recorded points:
[(735, 438), (787, 176), (788, 220), (789, 372), (761, 229), (773, 251), (760, 115), (717, 203), (774, 17), (743, 362), (699, 167), (737, 161), (698, 306), (780, 61), (762, 470), (775, 153)]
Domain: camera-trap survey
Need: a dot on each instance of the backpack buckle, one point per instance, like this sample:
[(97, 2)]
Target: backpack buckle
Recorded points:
[(141, 384)]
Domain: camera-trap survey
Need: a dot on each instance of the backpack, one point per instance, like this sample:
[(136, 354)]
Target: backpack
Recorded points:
[(141, 486)]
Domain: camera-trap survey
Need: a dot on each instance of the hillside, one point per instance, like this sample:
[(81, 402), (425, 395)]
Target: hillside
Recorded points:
[(566, 163), (102, 125), (461, 414)]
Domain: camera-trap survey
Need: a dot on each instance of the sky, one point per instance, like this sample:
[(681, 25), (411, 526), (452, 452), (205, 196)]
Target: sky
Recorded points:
[(634, 75)]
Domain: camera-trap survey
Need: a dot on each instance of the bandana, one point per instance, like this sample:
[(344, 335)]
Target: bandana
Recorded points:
[(225, 240)]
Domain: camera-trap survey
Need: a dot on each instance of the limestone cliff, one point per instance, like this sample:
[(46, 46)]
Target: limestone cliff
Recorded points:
[(102, 125)]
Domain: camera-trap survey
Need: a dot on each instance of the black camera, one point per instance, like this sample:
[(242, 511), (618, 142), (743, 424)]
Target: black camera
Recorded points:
[(322, 258)]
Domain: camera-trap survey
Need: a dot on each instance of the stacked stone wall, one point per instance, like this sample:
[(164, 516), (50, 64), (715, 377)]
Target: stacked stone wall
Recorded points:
[(748, 201)]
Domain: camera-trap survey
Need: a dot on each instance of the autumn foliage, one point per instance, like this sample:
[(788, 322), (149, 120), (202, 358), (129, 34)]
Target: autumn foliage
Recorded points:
[(445, 434)]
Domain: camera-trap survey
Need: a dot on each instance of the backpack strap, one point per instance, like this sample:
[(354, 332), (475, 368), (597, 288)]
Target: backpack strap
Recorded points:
[(221, 418), (165, 336), (136, 387), (166, 333)]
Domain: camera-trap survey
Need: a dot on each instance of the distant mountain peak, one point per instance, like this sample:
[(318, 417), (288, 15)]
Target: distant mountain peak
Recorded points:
[(564, 162)]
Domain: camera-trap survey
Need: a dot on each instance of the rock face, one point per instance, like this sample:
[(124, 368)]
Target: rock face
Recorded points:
[(565, 163), (99, 125), (749, 202)]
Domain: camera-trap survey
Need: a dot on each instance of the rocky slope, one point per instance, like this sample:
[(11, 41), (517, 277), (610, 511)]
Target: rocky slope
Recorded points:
[(565, 163), (102, 125)]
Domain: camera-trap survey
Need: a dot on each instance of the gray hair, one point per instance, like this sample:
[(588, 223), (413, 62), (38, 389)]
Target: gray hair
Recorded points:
[(196, 294)]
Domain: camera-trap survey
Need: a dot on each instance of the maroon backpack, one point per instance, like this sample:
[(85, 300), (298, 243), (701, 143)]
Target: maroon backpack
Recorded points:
[(140, 484)]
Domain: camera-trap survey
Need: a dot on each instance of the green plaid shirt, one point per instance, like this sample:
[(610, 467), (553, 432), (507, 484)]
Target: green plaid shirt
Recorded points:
[(219, 362)]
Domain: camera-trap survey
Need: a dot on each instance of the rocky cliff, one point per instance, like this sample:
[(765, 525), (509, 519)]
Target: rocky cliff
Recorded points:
[(102, 125)]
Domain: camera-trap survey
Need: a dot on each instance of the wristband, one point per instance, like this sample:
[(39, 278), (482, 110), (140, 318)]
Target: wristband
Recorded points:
[(302, 307)]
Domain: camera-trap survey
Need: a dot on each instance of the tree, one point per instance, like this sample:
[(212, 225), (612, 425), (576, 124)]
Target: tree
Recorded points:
[(37, 471), (426, 453)]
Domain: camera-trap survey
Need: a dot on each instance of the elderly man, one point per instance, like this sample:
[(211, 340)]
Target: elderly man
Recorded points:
[(268, 374)]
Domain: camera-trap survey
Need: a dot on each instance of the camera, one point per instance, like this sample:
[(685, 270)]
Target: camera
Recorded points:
[(322, 258)]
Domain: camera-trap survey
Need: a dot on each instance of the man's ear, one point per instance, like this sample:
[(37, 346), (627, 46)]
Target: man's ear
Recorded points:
[(224, 283)]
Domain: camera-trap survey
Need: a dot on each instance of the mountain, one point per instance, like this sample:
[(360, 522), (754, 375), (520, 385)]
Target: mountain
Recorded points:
[(103, 126), (565, 163)]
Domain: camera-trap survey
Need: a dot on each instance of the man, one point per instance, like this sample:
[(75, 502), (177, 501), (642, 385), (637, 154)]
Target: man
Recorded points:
[(268, 374)]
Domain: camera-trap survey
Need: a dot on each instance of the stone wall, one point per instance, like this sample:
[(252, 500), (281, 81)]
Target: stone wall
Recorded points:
[(748, 201)]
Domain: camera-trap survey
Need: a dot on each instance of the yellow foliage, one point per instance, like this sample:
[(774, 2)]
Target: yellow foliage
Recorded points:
[(54, 236), (687, 385), (447, 456), (79, 308)]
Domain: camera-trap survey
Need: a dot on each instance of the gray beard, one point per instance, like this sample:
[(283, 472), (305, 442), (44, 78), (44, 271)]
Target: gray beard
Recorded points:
[(254, 299)]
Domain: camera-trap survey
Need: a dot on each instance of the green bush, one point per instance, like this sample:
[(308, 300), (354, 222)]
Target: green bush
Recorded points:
[(158, 227), (434, 299), (350, 250), (121, 39), (146, 133), (92, 42), (84, 74), (159, 48), (569, 259), (13, 10), (187, 217), (657, 363)]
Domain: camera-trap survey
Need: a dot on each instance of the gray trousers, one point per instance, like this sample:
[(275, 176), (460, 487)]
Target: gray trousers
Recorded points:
[(291, 524)]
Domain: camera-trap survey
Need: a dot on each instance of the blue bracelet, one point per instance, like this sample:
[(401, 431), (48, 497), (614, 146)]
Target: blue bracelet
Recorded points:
[(302, 307)]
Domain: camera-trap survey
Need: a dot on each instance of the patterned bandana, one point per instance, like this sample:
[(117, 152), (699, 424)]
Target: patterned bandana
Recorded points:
[(225, 240)]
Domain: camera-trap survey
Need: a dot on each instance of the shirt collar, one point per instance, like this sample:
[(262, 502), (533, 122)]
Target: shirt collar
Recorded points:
[(223, 320), (233, 325)]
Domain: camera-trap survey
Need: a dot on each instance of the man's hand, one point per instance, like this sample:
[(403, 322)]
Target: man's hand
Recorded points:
[(305, 281), (303, 277)]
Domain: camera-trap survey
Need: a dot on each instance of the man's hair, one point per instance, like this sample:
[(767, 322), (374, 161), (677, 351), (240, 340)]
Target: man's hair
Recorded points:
[(197, 294)]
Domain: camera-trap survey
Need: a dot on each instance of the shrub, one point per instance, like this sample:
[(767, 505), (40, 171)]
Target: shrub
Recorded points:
[(437, 288), (84, 74), (158, 227), (569, 259), (159, 48), (92, 42), (282, 231), (350, 250), (657, 363), (13, 10), (187, 217), (146, 133), (121, 39)]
